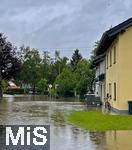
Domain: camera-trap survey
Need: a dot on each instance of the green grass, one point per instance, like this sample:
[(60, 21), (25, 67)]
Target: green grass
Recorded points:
[(97, 121)]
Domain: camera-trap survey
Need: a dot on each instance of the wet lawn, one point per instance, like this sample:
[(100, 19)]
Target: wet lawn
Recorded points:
[(97, 121)]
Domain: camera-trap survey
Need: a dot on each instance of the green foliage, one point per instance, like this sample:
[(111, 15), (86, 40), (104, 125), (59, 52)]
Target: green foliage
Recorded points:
[(42, 85), (97, 121), (45, 65), (13, 91), (56, 67), (93, 53), (66, 82), (76, 57), (85, 77), (30, 72), (57, 55), (52, 92), (9, 62), (4, 84), (70, 76)]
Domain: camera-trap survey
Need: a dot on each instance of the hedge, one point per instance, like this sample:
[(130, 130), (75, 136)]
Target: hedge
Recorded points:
[(13, 91)]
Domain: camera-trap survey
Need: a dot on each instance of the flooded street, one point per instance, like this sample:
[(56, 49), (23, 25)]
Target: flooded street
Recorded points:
[(34, 110)]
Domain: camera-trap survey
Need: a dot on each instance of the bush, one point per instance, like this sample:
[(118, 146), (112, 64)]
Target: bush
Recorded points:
[(14, 91)]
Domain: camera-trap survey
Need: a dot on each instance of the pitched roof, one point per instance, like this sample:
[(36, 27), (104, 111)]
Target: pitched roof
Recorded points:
[(109, 36), (97, 60)]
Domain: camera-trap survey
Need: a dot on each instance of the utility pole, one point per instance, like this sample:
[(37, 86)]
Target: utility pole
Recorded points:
[(0, 84), (1, 94)]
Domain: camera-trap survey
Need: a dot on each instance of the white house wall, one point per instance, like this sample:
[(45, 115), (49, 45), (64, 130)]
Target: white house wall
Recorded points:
[(99, 90)]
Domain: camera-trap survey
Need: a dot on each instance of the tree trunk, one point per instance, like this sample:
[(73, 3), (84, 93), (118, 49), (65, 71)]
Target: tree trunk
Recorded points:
[(43, 91), (23, 85), (34, 89), (91, 86), (75, 92)]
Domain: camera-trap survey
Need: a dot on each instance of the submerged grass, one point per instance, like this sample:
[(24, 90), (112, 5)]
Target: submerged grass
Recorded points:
[(97, 121)]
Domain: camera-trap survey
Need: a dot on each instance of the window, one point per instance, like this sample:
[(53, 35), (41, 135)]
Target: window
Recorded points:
[(110, 91), (110, 58), (107, 61), (114, 54), (114, 91)]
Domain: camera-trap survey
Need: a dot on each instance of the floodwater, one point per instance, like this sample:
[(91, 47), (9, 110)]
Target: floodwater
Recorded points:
[(35, 110)]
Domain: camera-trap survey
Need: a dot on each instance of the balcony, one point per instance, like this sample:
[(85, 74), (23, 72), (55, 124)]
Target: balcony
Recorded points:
[(101, 77)]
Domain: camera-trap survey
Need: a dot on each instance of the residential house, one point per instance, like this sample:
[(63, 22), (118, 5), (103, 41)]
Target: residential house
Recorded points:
[(116, 48), (99, 64)]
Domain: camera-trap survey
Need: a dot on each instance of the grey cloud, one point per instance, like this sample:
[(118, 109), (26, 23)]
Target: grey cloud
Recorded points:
[(60, 23)]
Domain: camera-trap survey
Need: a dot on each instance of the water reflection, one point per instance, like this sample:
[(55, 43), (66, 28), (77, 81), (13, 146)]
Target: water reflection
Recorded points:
[(35, 110), (98, 137)]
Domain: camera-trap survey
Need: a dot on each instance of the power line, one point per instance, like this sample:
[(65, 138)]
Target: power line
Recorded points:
[(65, 48)]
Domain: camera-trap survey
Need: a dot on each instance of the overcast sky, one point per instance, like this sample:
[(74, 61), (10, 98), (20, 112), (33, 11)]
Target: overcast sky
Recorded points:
[(60, 24)]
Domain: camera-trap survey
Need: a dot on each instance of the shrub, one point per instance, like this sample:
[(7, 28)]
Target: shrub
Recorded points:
[(13, 91)]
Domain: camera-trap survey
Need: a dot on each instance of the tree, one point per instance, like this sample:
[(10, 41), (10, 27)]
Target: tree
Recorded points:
[(42, 85), (93, 53), (75, 76), (56, 67), (85, 77), (66, 82), (9, 62), (30, 72), (76, 57), (92, 75), (57, 55), (4, 85), (57, 61), (45, 65)]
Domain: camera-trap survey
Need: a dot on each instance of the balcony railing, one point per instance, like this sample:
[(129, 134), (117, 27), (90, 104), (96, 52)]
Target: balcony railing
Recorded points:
[(101, 77)]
